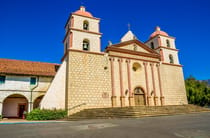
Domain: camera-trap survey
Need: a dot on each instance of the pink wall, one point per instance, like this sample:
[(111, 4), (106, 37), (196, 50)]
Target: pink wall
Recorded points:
[(10, 106)]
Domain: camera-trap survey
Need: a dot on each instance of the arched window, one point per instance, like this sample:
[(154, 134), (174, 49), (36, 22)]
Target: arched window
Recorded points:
[(152, 45), (138, 90), (85, 44), (85, 25), (168, 43), (171, 59)]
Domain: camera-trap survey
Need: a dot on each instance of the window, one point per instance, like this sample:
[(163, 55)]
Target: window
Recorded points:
[(33, 81), (138, 90), (85, 45), (136, 67), (152, 45), (171, 59), (85, 25), (2, 79), (167, 43)]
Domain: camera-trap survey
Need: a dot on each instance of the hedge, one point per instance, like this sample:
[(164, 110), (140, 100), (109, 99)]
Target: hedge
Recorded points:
[(44, 114)]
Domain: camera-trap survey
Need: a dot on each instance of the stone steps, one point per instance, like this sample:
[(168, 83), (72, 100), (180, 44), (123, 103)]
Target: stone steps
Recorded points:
[(135, 112)]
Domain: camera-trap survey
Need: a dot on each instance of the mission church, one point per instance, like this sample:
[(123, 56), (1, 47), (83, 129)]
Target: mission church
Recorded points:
[(129, 73)]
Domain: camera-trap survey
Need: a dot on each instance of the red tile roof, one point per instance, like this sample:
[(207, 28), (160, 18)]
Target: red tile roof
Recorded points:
[(20, 67), (82, 12)]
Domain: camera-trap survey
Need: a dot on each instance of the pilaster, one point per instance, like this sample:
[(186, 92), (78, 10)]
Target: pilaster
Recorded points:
[(131, 98), (160, 86), (162, 100), (122, 101), (122, 97), (113, 98), (153, 84), (114, 101), (72, 22), (1, 105), (147, 84), (131, 101), (161, 55)]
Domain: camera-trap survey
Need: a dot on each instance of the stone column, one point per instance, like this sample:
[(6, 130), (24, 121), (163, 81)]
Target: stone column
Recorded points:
[(160, 86), (147, 84), (153, 84), (1, 107), (30, 106), (131, 98), (122, 97), (113, 98)]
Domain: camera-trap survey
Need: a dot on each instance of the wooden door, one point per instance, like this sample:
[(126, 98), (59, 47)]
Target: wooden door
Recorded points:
[(21, 109), (139, 99)]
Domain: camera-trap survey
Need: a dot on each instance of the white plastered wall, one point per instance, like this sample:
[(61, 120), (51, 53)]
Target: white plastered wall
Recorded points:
[(94, 41), (167, 52), (55, 96), (93, 23)]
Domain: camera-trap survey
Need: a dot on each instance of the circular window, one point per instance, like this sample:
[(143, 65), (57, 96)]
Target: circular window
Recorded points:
[(136, 67)]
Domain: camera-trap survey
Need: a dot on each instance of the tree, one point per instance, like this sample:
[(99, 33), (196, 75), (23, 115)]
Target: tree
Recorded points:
[(197, 92)]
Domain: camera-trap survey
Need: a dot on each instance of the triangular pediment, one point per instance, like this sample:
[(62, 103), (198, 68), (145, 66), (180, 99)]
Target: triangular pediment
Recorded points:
[(134, 45)]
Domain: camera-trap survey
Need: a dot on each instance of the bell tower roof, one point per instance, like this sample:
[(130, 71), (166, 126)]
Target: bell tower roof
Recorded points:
[(158, 32), (82, 11)]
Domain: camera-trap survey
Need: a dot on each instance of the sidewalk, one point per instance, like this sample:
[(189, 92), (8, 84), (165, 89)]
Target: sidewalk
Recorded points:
[(24, 121)]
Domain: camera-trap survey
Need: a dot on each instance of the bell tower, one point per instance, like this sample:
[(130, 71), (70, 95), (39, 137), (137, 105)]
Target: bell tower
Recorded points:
[(82, 32), (164, 44)]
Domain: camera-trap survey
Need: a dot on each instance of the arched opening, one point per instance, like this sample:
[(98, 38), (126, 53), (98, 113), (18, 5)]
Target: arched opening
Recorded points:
[(168, 43), (152, 45), (86, 44), (14, 106), (139, 96), (171, 59), (85, 25), (37, 102)]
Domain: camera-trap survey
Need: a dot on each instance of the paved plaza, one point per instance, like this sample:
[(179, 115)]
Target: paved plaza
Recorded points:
[(177, 126)]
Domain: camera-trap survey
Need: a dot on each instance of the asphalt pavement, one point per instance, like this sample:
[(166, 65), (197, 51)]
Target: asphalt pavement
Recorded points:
[(176, 126)]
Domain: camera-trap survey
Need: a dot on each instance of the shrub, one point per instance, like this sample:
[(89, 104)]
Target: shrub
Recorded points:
[(44, 114), (0, 117)]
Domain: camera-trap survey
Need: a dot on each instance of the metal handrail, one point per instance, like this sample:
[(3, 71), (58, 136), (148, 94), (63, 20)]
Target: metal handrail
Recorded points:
[(76, 106)]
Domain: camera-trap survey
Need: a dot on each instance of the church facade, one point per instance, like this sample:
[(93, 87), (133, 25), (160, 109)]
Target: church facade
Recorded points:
[(129, 73)]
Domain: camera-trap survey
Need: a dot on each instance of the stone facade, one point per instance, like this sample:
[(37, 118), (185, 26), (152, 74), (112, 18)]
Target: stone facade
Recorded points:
[(130, 73), (89, 80), (173, 85)]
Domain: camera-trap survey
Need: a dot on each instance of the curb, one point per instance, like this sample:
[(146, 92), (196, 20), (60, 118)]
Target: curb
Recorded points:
[(32, 122)]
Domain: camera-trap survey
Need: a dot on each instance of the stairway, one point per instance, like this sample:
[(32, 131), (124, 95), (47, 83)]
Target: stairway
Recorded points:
[(135, 112)]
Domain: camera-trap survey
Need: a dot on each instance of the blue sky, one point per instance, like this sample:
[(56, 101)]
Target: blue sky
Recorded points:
[(34, 29)]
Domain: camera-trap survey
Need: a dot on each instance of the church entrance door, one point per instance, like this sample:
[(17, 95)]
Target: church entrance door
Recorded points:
[(139, 97)]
